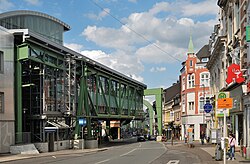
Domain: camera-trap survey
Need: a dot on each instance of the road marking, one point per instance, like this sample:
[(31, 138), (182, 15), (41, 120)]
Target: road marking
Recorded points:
[(127, 152), (173, 162), (102, 161)]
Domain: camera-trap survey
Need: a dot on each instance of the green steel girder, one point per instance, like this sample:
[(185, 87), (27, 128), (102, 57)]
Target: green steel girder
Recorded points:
[(158, 97), (122, 100), (19, 110), (151, 115)]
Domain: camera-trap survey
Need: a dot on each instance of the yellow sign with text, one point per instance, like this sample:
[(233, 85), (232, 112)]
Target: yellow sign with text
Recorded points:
[(225, 103)]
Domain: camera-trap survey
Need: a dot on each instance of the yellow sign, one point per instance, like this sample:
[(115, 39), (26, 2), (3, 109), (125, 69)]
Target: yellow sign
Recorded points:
[(225, 103)]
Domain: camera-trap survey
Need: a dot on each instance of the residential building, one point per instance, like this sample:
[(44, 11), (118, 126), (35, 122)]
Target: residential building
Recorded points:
[(227, 65), (195, 91), (172, 111)]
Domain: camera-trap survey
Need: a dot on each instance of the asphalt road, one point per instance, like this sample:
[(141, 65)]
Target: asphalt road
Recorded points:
[(138, 152)]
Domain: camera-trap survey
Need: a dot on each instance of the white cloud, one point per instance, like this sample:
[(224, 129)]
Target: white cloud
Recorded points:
[(99, 16), (118, 61), (170, 34), (74, 46), (158, 69), (34, 2), (200, 8), (159, 35), (5, 5)]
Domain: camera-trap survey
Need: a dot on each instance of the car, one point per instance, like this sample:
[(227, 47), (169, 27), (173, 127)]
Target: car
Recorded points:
[(152, 138), (141, 139)]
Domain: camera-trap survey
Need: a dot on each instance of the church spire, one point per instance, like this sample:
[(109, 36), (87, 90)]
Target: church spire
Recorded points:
[(190, 46)]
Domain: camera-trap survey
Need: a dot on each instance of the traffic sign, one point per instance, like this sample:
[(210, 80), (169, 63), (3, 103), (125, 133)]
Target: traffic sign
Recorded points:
[(225, 103), (208, 107)]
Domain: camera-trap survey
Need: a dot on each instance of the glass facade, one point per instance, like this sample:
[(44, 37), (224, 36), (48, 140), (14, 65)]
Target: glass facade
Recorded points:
[(45, 27)]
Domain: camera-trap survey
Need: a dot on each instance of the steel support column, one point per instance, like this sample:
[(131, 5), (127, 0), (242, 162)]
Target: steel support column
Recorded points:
[(158, 97), (19, 121), (151, 115)]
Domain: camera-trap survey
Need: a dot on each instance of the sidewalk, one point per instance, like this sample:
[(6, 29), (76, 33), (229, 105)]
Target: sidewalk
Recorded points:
[(9, 157), (201, 149)]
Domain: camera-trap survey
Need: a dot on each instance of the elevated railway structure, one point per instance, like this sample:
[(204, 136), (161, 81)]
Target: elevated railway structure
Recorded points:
[(56, 86)]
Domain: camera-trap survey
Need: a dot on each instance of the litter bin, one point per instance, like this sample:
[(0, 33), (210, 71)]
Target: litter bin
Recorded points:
[(218, 152)]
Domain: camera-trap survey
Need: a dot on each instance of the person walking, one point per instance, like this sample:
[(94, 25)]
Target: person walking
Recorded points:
[(202, 137), (232, 142)]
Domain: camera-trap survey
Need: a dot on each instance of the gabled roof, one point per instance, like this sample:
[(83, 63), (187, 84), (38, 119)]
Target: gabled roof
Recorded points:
[(203, 52), (172, 91)]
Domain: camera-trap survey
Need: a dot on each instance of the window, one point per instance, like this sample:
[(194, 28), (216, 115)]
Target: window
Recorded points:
[(1, 62), (191, 81), (202, 102), (191, 63), (237, 15), (1, 102), (183, 83), (204, 60), (204, 79), (183, 103), (191, 105)]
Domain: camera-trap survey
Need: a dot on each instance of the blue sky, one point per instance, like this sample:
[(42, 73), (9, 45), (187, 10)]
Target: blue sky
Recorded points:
[(149, 41)]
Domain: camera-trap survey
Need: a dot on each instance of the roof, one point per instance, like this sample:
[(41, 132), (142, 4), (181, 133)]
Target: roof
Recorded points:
[(172, 91), (190, 46), (203, 52), (33, 13)]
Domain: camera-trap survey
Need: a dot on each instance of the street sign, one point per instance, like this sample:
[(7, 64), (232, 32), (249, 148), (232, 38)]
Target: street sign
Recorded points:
[(82, 121), (221, 95), (225, 103), (208, 107)]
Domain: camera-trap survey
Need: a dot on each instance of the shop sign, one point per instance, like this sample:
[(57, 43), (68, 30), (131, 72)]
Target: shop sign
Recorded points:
[(234, 74)]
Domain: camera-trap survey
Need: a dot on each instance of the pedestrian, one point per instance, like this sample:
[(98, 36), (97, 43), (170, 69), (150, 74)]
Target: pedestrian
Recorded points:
[(202, 137), (232, 142)]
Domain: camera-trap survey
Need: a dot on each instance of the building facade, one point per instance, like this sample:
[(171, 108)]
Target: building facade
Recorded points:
[(172, 111), (195, 92), (7, 115), (228, 67)]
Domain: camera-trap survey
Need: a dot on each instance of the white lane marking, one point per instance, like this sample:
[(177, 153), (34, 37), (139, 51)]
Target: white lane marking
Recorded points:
[(139, 145), (102, 161), (153, 148), (128, 152), (173, 162)]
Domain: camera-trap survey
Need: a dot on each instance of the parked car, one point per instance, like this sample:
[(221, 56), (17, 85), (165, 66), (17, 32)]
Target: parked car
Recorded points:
[(141, 139), (152, 138)]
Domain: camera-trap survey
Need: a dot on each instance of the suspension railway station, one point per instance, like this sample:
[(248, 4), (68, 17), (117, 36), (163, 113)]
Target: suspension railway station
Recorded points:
[(48, 88)]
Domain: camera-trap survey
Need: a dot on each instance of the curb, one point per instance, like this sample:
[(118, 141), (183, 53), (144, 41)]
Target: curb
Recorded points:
[(47, 154)]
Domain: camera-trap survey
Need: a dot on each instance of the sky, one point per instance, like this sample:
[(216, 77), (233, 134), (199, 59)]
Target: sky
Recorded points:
[(143, 39)]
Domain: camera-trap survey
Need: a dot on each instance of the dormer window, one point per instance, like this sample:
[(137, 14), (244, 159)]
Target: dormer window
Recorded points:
[(204, 60)]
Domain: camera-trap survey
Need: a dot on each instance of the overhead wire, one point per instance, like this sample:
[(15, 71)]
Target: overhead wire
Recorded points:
[(137, 33)]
